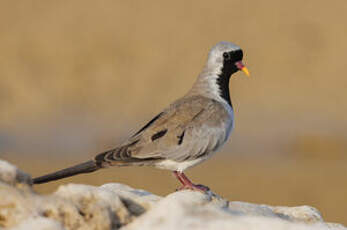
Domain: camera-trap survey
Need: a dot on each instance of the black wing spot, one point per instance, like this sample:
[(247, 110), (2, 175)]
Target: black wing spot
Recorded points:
[(148, 124), (159, 134), (180, 138)]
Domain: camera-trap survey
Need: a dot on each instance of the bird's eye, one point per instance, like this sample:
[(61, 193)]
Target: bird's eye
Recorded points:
[(226, 56)]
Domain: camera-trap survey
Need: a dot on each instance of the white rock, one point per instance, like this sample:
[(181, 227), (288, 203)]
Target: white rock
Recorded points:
[(302, 213), (15, 205), (10, 174), (114, 206), (194, 210), (39, 223), (96, 203), (243, 208), (133, 197)]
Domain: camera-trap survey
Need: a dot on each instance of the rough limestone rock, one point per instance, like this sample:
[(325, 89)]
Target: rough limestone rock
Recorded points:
[(41, 223), (116, 206), (12, 175)]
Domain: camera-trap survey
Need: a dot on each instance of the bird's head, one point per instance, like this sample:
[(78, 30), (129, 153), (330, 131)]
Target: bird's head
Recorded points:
[(227, 57)]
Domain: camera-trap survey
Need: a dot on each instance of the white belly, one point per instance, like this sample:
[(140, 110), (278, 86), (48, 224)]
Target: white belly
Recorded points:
[(178, 166)]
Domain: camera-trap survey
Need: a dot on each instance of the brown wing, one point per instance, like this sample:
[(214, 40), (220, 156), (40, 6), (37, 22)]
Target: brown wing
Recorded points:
[(188, 128)]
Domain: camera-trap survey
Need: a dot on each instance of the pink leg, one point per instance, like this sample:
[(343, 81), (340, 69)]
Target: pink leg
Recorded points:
[(178, 177), (187, 184)]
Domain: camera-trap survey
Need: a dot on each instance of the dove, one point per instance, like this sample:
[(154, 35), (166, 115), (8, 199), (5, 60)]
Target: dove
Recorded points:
[(187, 132)]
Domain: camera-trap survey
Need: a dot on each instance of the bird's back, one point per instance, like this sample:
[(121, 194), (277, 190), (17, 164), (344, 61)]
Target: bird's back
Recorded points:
[(189, 129)]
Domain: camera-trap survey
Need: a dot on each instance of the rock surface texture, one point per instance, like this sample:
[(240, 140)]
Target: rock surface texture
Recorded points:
[(117, 206)]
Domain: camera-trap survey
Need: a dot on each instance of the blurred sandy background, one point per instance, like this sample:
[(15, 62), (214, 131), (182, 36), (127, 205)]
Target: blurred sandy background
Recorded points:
[(78, 77)]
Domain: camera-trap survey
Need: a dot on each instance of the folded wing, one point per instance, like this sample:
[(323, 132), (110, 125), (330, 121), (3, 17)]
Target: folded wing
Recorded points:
[(183, 131)]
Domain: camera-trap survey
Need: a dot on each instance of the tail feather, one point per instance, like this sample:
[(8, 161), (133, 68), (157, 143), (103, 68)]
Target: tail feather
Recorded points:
[(86, 167)]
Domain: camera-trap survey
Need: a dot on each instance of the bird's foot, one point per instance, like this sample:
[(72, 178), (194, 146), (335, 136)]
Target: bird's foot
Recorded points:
[(187, 184), (194, 187)]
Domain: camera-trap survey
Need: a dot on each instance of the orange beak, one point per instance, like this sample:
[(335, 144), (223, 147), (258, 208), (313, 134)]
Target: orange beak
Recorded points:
[(242, 67)]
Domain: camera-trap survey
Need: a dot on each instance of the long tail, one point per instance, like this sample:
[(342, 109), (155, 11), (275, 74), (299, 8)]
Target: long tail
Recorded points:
[(86, 167)]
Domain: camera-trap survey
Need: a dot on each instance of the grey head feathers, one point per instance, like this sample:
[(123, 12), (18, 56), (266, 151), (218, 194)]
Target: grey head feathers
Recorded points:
[(215, 56), (213, 81)]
